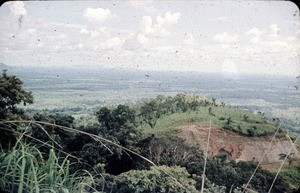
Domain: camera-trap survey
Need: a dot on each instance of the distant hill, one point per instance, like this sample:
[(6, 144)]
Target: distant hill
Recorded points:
[(3, 66)]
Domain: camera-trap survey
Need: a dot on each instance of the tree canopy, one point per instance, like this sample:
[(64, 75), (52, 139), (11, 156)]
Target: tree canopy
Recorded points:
[(12, 94)]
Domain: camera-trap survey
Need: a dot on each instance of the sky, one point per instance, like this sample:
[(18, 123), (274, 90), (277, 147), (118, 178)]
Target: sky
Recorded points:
[(237, 37)]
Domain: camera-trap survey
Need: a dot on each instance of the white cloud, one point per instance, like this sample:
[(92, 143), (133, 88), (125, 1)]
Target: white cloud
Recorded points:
[(17, 8), (274, 29), (274, 32), (84, 31), (146, 25), (113, 43), (158, 29), (17, 11), (168, 19), (254, 34), (97, 14), (151, 32), (94, 33), (225, 38)]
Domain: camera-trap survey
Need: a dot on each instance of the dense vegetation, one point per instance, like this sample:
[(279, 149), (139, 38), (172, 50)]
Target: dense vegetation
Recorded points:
[(125, 148)]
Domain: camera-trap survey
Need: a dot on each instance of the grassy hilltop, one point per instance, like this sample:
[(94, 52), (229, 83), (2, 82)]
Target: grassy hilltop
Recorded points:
[(168, 113)]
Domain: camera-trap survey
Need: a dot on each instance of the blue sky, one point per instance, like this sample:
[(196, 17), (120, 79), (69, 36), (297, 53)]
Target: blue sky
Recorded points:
[(207, 36)]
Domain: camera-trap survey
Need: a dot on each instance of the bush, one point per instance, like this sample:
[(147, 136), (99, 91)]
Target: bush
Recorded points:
[(158, 179), (171, 150), (250, 132)]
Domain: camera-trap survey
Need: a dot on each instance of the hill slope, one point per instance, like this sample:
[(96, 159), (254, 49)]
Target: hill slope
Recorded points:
[(238, 147), (241, 134)]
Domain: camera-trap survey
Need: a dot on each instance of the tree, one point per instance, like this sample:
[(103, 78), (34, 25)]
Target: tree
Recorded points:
[(48, 133), (289, 157), (123, 114), (194, 105), (210, 111), (181, 103), (227, 124), (119, 126), (250, 132), (117, 118), (206, 103), (150, 112), (12, 94), (104, 116), (246, 118), (214, 102)]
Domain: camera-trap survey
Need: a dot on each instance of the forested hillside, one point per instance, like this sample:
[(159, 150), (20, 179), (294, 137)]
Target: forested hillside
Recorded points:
[(132, 148)]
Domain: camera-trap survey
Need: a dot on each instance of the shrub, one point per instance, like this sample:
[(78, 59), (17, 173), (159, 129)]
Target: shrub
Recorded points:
[(157, 179)]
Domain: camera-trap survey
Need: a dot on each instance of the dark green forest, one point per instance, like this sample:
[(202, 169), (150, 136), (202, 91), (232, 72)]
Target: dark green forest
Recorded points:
[(126, 148)]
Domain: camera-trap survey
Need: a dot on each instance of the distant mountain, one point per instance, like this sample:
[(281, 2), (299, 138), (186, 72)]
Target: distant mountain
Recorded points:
[(3, 66)]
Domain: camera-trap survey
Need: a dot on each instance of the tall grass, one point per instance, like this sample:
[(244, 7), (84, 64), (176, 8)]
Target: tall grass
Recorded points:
[(23, 169)]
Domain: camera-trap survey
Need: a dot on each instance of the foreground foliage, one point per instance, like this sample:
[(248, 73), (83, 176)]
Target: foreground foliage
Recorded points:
[(24, 169)]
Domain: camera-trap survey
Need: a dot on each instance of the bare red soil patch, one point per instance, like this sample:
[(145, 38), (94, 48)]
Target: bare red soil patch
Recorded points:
[(238, 147)]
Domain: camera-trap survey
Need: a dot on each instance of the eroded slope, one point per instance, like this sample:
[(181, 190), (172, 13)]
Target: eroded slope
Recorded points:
[(238, 147)]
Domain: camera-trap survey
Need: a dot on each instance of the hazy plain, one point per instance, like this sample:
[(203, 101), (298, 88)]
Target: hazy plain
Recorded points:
[(80, 91)]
